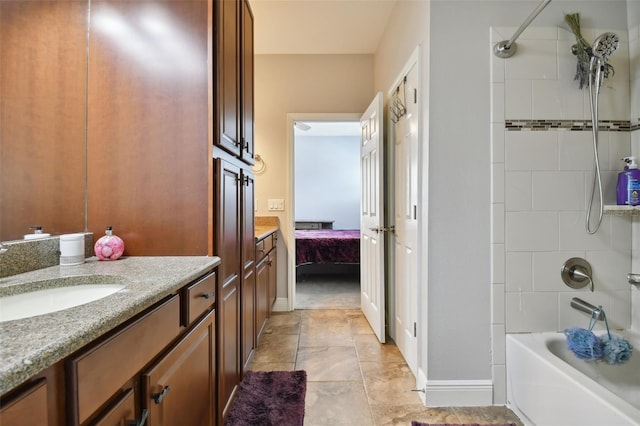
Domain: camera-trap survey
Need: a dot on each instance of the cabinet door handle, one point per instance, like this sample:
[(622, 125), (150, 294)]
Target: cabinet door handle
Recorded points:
[(143, 419), (207, 295), (158, 397)]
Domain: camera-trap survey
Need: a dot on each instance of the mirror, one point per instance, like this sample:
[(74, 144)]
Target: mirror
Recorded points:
[(43, 97)]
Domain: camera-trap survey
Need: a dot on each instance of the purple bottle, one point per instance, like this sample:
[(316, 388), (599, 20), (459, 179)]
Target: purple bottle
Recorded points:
[(628, 187)]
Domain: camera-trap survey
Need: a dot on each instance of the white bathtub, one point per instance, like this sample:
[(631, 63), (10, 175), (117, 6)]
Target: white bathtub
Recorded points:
[(547, 385)]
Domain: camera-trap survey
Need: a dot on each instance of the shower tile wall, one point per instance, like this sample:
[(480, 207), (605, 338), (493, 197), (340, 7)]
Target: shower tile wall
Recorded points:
[(541, 182)]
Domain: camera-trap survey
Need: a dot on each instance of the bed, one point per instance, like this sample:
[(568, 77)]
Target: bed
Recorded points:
[(327, 246)]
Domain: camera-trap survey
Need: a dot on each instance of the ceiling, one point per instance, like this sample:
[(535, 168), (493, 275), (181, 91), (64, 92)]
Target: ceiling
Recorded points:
[(319, 26)]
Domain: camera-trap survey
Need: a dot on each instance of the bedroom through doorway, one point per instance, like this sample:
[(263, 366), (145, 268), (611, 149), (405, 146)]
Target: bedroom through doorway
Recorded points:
[(327, 214)]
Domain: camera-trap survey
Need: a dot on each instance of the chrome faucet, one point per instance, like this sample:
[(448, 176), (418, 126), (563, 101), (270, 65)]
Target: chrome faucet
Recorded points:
[(596, 312), (633, 278)]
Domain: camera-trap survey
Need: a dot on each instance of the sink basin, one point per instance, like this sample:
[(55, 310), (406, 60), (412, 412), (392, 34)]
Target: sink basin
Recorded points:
[(44, 301)]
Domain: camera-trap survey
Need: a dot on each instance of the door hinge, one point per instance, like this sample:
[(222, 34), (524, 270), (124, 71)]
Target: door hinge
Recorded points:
[(415, 96), (415, 329)]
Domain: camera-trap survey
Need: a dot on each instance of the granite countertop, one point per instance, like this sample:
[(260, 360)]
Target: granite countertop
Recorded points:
[(265, 226), (29, 345)]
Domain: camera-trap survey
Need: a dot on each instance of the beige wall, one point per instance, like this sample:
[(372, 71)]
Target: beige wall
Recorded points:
[(287, 84)]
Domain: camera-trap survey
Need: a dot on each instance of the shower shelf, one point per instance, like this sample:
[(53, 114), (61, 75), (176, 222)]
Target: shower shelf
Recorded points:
[(614, 210)]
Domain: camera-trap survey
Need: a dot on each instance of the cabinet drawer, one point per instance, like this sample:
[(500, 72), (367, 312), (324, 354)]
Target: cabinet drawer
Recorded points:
[(198, 297), (97, 373), (27, 408), (264, 246)]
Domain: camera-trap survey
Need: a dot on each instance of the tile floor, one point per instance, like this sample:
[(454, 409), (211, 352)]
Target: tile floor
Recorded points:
[(320, 291), (352, 379)]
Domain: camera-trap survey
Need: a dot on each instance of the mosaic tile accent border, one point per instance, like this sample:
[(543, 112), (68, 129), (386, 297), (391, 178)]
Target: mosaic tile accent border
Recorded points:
[(573, 125)]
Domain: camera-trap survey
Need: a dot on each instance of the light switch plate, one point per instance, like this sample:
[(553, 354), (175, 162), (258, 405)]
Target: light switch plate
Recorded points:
[(275, 204)]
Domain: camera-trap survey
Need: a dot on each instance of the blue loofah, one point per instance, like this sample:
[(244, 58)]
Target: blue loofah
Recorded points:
[(583, 343), (616, 350)]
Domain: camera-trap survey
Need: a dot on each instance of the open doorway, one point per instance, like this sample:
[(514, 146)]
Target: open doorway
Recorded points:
[(327, 214)]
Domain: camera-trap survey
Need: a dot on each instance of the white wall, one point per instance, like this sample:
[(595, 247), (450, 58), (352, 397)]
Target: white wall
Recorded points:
[(460, 279), (327, 179)]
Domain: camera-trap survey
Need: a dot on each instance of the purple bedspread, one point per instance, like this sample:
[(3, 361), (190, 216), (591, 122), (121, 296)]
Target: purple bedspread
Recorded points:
[(327, 246)]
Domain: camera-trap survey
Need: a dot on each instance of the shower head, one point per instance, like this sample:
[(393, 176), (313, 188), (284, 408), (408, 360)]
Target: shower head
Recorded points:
[(605, 45)]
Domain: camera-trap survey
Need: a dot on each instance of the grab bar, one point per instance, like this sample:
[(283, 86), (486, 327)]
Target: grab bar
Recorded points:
[(506, 49), (587, 308)]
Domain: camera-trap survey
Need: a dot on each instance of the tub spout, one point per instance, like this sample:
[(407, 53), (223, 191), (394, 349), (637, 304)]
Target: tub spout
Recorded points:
[(586, 307)]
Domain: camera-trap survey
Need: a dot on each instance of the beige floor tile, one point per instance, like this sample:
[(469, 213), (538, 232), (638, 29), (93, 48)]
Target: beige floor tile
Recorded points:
[(336, 403), (323, 364), (330, 329), (495, 415), (283, 323), (271, 366), (370, 349), (360, 325), (276, 348), (403, 415), (390, 384)]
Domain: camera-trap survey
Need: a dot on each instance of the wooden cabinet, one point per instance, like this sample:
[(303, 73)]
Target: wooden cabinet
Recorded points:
[(101, 370), (234, 80), (266, 279), (233, 155), (109, 382), (262, 294), (246, 84), (273, 276), (228, 202), (179, 388), (248, 291), (28, 408)]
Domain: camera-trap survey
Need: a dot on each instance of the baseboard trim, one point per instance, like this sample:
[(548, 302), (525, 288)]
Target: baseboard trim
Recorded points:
[(421, 385), (459, 393), (281, 305)]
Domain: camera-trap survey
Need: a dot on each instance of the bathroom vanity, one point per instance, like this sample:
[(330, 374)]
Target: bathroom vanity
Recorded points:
[(146, 352)]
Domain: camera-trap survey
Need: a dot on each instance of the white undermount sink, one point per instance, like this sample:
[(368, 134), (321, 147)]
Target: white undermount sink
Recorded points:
[(45, 301)]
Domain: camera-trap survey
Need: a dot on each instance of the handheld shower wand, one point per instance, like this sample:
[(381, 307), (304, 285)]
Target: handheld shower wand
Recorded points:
[(603, 48)]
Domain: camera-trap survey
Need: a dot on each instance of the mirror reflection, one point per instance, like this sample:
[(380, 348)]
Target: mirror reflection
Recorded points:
[(43, 96)]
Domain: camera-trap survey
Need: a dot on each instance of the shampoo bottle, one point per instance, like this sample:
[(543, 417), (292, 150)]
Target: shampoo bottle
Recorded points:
[(628, 188)]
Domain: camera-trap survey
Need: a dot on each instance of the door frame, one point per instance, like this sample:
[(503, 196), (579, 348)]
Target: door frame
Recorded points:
[(288, 227)]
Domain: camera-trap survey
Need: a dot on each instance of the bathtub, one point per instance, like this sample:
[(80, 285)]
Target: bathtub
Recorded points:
[(547, 385)]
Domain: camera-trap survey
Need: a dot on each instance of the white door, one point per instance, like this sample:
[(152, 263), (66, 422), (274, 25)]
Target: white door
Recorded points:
[(372, 217), (406, 222)]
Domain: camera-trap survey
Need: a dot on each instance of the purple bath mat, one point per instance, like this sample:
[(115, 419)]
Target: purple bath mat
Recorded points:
[(269, 398)]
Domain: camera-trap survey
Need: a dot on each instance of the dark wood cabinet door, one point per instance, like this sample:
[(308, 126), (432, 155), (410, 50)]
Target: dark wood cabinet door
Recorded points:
[(227, 246), (227, 70), (179, 388), (121, 413), (248, 316), (246, 88), (273, 277), (262, 294)]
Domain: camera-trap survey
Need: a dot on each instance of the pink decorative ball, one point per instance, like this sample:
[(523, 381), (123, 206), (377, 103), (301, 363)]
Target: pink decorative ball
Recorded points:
[(109, 247)]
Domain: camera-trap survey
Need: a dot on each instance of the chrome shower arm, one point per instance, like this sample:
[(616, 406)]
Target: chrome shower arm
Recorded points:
[(507, 48)]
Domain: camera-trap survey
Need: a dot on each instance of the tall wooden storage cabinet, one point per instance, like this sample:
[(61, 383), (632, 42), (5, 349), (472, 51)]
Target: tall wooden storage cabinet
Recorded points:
[(233, 155)]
